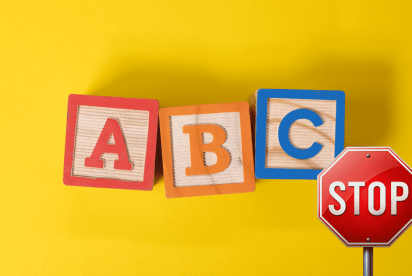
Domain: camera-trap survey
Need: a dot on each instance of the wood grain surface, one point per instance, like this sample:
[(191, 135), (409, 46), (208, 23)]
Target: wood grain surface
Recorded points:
[(230, 122), (302, 133), (134, 125)]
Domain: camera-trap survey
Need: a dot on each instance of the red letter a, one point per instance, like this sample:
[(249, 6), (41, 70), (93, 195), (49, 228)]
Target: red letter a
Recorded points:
[(111, 127)]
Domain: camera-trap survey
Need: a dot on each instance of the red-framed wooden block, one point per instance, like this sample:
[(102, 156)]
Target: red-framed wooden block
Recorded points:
[(207, 149), (110, 142)]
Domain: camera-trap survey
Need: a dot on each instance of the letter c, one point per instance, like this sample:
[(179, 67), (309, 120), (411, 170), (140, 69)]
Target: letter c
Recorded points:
[(284, 128)]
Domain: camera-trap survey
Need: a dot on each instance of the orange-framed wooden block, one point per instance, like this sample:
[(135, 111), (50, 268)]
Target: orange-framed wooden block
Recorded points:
[(207, 149)]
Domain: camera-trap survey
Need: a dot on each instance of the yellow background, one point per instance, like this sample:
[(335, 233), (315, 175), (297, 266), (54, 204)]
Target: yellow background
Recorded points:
[(181, 53)]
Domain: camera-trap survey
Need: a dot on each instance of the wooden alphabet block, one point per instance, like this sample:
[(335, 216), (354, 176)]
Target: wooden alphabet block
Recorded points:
[(110, 142), (207, 149), (298, 132)]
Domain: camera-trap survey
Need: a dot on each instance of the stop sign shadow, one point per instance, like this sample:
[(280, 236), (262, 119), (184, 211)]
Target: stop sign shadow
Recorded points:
[(361, 198)]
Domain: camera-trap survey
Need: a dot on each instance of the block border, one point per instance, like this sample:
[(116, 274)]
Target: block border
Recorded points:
[(247, 150), (261, 120), (112, 102)]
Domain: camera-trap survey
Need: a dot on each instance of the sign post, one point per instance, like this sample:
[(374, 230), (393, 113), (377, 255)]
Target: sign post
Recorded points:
[(363, 198), (368, 261)]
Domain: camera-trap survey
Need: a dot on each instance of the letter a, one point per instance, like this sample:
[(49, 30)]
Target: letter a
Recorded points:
[(112, 127), (197, 149)]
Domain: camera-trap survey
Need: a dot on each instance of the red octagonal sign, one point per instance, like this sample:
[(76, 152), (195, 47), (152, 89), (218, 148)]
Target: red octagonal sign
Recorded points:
[(363, 197)]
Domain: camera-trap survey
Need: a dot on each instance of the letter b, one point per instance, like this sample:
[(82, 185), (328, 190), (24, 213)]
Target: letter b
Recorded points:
[(198, 148)]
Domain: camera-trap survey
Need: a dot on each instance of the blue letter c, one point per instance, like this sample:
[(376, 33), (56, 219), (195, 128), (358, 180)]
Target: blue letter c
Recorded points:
[(284, 128)]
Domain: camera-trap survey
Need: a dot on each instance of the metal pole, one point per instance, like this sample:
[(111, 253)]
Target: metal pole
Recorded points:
[(368, 261)]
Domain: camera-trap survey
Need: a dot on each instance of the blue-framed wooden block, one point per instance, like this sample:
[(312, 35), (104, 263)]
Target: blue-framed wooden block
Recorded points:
[(298, 132)]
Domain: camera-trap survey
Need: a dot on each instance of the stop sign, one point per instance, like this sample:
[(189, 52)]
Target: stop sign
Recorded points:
[(363, 196)]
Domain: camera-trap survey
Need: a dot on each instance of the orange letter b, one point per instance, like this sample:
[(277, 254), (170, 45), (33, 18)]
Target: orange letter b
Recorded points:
[(197, 149)]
